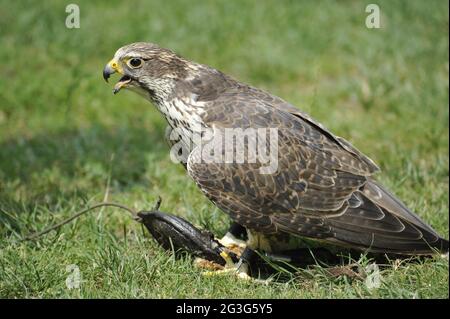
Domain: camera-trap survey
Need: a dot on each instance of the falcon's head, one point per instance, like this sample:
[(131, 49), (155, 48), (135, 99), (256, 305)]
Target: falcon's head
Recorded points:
[(146, 69)]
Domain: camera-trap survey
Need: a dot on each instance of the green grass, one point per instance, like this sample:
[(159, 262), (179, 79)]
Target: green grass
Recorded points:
[(66, 141)]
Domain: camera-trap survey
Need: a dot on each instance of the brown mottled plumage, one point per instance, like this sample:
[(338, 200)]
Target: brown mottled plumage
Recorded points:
[(322, 188)]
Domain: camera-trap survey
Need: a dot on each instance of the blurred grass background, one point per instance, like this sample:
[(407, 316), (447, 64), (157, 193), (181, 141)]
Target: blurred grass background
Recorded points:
[(65, 140)]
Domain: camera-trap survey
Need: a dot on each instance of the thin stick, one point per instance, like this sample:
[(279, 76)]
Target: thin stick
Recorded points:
[(78, 214)]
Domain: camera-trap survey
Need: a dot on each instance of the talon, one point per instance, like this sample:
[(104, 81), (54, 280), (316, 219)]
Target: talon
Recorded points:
[(240, 269), (231, 242), (228, 261), (207, 264)]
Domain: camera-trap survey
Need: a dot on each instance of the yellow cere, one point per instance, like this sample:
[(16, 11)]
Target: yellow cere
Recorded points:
[(115, 66)]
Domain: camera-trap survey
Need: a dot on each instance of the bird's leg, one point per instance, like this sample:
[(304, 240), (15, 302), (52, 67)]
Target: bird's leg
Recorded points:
[(241, 268), (248, 258), (235, 237), (234, 242)]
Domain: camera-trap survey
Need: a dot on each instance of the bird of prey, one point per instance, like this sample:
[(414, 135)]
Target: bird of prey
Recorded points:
[(323, 187)]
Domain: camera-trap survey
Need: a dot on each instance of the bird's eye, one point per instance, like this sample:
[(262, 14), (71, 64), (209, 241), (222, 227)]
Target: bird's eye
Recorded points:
[(135, 63)]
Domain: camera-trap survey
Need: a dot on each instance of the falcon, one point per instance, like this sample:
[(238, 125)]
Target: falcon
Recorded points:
[(322, 187)]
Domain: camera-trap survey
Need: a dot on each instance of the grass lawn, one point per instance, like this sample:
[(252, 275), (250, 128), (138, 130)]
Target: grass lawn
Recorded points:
[(67, 142)]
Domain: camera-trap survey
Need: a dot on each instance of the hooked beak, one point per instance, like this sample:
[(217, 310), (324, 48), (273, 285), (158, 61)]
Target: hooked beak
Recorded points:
[(114, 67), (107, 71)]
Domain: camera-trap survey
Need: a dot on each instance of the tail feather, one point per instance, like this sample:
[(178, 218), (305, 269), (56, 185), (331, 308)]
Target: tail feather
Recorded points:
[(382, 197), (376, 220)]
